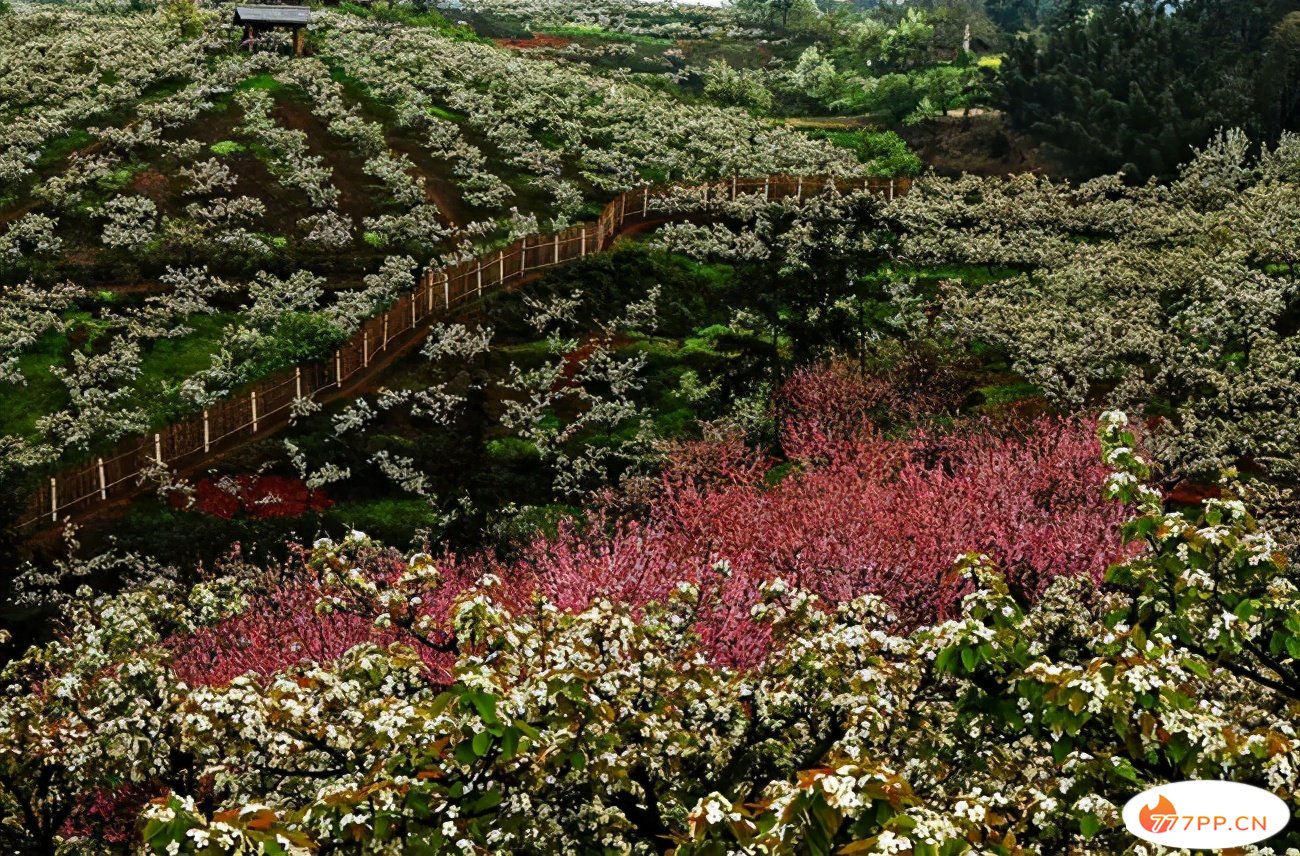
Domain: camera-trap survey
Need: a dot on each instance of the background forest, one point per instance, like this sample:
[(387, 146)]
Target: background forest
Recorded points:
[(931, 493)]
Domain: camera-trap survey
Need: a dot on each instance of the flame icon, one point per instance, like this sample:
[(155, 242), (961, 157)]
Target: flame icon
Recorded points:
[(1158, 818)]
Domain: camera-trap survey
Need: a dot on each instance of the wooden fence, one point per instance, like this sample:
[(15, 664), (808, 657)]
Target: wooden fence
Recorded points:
[(266, 405)]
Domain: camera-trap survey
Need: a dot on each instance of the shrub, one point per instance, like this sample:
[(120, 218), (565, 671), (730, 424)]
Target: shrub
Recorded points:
[(859, 517), (297, 337), (886, 154)]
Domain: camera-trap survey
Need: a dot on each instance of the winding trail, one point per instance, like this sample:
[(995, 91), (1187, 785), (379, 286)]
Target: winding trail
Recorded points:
[(259, 410)]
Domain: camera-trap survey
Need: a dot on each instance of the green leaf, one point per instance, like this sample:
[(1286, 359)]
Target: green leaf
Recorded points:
[(490, 799), (482, 742), (464, 753), (486, 705), (509, 743), (1293, 647), (440, 704), (1125, 770)]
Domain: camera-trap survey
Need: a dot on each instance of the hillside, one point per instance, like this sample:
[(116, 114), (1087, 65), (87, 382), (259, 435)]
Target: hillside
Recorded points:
[(520, 426)]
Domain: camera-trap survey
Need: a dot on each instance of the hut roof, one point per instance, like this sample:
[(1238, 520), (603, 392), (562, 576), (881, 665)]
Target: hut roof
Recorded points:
[(284, 15)]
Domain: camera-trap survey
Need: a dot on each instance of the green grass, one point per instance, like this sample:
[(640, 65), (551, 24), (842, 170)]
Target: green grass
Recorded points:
[(530, 522), (60, 147), (183, 356), (21, 406), (392, 521), (264, 82), (973, 275), (162, 368), (1008, 393), (444, 113), (226, 148), (121, 177), (714, 275)]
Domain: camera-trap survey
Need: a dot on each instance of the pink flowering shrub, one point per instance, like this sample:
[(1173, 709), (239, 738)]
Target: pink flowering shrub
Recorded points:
[(881, 516), (285, 622), (835, 401), (858, 513), (109, 815)]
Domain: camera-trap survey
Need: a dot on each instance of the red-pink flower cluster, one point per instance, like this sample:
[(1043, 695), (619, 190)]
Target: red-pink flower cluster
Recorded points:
[(857, 513), (283, 624), (880, 516)]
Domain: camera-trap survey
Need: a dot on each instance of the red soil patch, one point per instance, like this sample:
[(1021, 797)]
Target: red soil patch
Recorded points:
[(151, 183), (255, 496), (1193, 493), (574, 360), (535, 42)]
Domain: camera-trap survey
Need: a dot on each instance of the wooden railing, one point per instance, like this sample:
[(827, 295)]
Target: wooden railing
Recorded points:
[(266, 405)]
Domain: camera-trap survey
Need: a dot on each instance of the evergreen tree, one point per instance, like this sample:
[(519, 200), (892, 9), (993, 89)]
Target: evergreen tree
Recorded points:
[(1135, 86)]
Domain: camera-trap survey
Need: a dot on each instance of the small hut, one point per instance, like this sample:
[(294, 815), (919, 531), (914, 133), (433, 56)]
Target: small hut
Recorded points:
[(258, 19)]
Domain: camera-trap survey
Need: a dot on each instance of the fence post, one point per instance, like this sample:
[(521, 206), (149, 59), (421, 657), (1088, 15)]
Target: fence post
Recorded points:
[(252, 397), (297, 381), (622, 208), (430, 296), (103, 482), (54, 500), (338, 368), (478, 278), (157, 448), (557, 248), (501, 266), (767, 188), (446, 289), (385, 345), (412, 311), (523, 255), (798, 190), (365, 349), (207, 432), (733, 187), (645, 198), (582, 243), (891, 190)]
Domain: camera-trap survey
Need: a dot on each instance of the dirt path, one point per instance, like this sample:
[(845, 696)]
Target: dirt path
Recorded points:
[(833, 123), (439, 189)]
